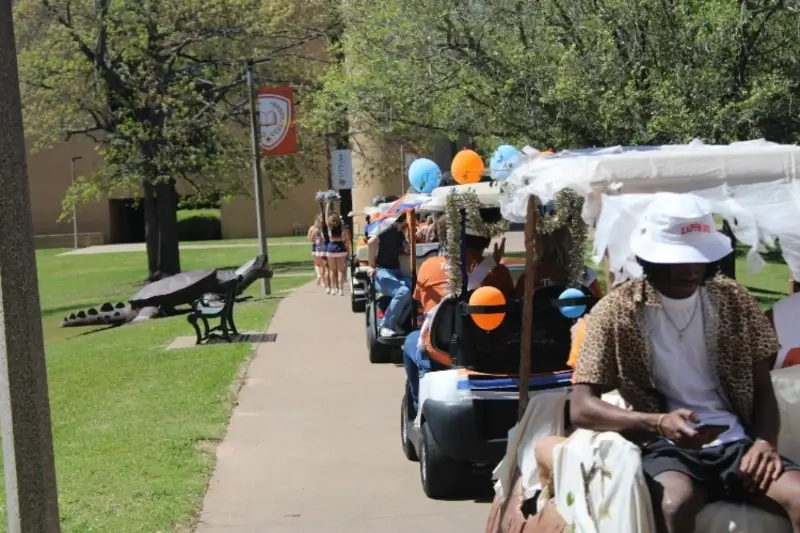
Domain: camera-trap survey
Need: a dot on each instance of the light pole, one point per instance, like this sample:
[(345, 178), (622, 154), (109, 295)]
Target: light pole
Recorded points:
[(74, 209), (258, 186)]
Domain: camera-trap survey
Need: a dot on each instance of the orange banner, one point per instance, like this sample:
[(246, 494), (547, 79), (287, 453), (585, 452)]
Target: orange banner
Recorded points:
[(276, 118)]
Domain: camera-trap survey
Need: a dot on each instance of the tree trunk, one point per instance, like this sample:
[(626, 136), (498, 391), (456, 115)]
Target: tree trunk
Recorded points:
[(150, 230), (169, 260)]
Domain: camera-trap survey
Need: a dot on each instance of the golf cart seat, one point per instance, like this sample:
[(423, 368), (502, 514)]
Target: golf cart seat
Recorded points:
[(498, 351)]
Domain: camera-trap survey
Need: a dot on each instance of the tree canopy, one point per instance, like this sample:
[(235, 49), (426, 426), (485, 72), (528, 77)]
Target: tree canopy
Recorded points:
[(578, 73), (159, 85)]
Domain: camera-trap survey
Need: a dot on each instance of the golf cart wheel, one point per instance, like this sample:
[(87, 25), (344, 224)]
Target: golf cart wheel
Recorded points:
[(358, 306), (441, 476), (378, 353), (408, 447)]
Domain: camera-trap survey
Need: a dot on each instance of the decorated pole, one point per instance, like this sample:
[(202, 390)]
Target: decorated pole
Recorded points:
[(527, 309)]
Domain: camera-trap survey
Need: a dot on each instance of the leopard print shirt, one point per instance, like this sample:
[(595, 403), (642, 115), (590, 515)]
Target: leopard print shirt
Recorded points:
[(617, 352)]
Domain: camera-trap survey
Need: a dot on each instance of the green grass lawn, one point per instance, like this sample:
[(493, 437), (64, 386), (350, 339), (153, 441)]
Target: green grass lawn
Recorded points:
[(135, 425)]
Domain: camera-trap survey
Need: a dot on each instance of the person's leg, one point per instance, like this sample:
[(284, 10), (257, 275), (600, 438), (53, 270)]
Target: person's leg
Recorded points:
[(411, 364), (391, 284), (677, 500), (783, 495), (340, 274), (327, 275), (334, 276), (318, 269), (676, 481), (543, 452)]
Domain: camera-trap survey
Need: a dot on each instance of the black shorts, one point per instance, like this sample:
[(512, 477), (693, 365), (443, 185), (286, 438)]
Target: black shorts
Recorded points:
[(716, 468)]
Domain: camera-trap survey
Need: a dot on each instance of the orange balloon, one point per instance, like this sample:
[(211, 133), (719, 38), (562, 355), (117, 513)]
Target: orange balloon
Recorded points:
[(487, 296), (467, 167)]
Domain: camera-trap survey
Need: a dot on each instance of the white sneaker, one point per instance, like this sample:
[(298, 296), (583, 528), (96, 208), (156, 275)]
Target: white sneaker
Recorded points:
[(341, 292), (386, 332), (328, 290)]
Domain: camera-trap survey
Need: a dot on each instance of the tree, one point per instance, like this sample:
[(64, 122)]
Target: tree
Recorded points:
[(579, 73), (159, 85)]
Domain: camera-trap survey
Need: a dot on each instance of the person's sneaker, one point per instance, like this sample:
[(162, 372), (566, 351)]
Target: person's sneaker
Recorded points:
[(328, 291), (386, 332)]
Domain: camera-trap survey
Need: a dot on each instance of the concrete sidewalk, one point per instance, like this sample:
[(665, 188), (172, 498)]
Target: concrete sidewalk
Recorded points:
[(314, 443)]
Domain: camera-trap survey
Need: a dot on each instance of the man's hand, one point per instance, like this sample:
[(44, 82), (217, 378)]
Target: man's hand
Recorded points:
[(370, 271), (761, 465), (499, 251), (676, 427)]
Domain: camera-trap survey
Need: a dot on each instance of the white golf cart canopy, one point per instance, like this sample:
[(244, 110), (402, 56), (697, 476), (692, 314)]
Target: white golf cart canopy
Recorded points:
[(753, 185), (488, 194)]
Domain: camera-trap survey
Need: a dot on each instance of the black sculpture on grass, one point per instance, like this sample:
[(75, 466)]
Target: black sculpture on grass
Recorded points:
[(160, 298)]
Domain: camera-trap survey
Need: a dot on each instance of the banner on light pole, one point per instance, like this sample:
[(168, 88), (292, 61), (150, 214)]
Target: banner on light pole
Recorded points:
[(278, 133), (342, 169)]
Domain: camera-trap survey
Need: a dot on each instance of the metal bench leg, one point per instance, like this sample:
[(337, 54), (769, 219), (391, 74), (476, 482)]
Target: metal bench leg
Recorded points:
[(207, 331), (193, 321), (224, 325), (231, 324)]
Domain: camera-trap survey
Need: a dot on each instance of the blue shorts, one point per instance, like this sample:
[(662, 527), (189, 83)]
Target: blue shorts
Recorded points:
[(336, 249)]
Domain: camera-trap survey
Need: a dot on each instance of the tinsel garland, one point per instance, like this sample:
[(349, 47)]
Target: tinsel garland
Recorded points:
[(566, 211), (469, 202)]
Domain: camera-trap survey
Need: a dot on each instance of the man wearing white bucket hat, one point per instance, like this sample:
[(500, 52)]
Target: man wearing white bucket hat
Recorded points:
[(689, 351)]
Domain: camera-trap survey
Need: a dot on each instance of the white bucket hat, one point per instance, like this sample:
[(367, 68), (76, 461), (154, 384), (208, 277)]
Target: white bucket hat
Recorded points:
[(679, 228)]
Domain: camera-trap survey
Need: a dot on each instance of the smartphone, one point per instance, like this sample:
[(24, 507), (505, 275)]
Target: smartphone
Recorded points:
[(710, 432)]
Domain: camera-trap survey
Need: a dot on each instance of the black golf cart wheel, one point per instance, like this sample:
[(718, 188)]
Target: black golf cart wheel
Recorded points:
[(442, 477), (408, 446), (378, 353), (358, 306)]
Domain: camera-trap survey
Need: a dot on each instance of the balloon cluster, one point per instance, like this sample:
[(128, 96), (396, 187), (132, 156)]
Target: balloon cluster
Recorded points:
[(467, 167)]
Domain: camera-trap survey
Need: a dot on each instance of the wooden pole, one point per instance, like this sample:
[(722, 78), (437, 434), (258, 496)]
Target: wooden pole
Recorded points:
[(527, 311)]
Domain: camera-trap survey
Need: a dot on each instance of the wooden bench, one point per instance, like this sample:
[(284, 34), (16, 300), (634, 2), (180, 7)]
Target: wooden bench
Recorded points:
[(206, 309)]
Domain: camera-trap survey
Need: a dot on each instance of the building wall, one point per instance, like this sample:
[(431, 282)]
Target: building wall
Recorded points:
[(49, 177), (297, 209)]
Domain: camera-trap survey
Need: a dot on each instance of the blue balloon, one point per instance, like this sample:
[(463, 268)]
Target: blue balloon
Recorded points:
[(424, 175), (572, 311), (505, 159)]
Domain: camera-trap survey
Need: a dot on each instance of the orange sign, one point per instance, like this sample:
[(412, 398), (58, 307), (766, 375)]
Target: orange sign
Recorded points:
[(276, 118)]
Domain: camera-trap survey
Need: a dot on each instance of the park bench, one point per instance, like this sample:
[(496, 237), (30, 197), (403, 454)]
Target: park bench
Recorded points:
[(208, 308)]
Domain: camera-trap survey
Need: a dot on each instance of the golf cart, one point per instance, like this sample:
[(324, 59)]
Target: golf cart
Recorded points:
[(389, 349), (467, 408), (751, 184), (358, 264)]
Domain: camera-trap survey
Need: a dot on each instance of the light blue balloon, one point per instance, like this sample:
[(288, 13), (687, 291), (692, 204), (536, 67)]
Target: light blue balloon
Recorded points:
[(424, 175), (572, 311), (505, 159)]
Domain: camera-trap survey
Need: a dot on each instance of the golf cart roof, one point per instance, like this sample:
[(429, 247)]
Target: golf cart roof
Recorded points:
[(751, 184), (488, 193)]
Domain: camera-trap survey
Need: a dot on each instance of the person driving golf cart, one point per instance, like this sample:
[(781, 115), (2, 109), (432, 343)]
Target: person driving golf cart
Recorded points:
[(385, 250), (433, 281)]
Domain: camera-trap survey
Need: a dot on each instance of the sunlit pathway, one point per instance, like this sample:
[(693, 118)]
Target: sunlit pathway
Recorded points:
[(314, 443)]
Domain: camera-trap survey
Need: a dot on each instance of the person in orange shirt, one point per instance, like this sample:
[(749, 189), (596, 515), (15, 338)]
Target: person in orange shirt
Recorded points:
[(433, 285)]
